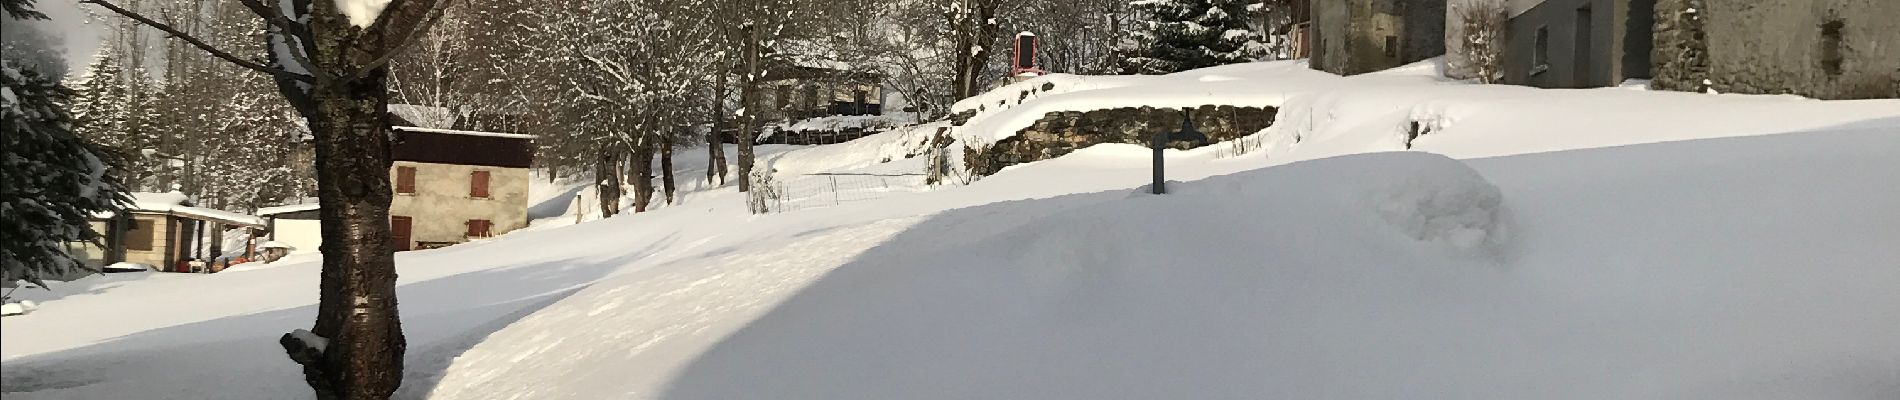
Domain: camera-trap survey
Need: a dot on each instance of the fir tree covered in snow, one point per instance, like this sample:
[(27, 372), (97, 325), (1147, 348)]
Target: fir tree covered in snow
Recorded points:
[(100, 106), (114, 108), (1180, 35), (52, 181)]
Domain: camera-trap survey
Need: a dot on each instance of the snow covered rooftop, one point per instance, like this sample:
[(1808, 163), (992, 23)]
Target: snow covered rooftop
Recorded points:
[(179, 204), (289, 208), (462, 132)]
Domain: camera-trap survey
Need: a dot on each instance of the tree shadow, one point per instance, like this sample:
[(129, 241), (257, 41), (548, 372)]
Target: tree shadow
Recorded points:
[(237, 357), (899, 321)]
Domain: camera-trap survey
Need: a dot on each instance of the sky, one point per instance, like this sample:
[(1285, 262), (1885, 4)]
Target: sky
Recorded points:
[(79, 30)]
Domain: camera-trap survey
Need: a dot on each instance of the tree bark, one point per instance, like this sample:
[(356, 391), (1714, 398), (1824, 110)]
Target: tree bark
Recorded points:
[(666, 165), (715, 138), (974, 33), (642, 175), (357, 313), (607, 182), (749, 97)]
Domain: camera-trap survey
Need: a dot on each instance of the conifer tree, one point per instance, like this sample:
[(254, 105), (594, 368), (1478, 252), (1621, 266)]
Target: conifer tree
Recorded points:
[(51, 181), (1180, 35)]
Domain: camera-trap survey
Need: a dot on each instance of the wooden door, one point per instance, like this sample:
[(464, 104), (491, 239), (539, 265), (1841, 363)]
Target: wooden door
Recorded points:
[(399, 233)]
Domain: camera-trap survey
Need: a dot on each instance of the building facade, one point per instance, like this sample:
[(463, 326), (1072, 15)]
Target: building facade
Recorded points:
[(800, 92), (1826, 49), (1578, 43), (452, 186), (164, 232), (1350, 37)]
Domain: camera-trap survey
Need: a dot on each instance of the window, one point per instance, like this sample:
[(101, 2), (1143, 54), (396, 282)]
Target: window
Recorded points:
[(1540, 54), (478, 185), (810, 99), (399, 232), (479, 228), (406, 180), (139, 234), (1391, 46), (1831, 47), (784, 94)]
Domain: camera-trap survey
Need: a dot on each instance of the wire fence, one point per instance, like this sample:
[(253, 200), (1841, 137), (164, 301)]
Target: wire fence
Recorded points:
[(831, 189)]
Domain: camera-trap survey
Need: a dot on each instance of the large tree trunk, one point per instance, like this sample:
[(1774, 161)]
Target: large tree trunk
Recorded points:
[(715, 141), (749, 98), (666, 165), (642, 175), (607, 182), (357, 312), (974, 34)]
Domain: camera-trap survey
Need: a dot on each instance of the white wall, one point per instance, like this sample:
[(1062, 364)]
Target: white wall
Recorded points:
[(303, 234)]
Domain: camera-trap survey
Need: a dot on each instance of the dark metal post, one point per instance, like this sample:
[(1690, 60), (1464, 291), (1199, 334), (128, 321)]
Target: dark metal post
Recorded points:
[(1161, 140)]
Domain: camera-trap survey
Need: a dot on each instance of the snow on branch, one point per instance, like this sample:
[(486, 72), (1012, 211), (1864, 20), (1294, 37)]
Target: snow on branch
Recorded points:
[(195, 42)]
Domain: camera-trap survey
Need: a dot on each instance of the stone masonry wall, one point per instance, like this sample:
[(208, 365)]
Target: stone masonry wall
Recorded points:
[(1060, 133), (1827, 49)]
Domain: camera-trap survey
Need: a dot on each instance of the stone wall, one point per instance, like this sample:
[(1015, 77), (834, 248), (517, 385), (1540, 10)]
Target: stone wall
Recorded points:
[(1828, 49), (1060, 133), (1349, 36), (820, 136)]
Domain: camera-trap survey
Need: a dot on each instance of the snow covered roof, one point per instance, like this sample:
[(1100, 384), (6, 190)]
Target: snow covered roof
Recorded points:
[(157, 201), (289, 208), (470, 133), (176, 203)]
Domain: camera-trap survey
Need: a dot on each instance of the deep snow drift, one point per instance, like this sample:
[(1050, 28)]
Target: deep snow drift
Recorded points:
[(1535, 244)]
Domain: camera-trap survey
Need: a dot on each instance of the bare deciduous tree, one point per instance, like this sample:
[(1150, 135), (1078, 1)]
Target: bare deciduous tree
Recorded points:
[(1479, 49), (332, 66)]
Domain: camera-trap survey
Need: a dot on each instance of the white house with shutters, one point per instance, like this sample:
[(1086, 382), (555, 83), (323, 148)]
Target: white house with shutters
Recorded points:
[(448, 186)]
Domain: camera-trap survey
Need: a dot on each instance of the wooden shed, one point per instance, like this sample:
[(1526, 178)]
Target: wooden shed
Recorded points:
[(164, 232)]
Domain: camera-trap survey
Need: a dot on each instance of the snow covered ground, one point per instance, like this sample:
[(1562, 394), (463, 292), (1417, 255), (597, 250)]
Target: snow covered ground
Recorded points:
[(1534, 244)]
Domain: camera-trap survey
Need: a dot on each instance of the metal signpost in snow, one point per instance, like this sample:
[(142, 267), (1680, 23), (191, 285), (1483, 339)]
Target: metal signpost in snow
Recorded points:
[(1162, 138)]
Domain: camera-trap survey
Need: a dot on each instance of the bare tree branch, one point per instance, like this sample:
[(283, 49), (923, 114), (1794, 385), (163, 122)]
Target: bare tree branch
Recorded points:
[(200, 44), (275, 17), (435, 13)]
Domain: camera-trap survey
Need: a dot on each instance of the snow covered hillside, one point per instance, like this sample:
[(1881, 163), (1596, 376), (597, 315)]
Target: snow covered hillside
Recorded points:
[(1579, 244)]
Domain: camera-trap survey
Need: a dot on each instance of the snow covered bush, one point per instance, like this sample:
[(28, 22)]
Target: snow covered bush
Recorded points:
[(764, 195), (52, 181), (1479, 53)]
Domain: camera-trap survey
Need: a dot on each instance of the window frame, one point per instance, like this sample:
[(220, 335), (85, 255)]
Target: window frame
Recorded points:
[(485, 189), (149, 234), (486, 228), (1540, 50), (406, 179)]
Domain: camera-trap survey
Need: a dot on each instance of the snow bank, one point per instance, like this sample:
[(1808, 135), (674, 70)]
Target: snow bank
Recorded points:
[(1611, 273), (896, 144), (842, 122), (1568, 244), (1256, 85)]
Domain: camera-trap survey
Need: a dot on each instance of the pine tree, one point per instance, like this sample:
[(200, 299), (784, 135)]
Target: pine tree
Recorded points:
[(51, 181), (1181, 35), (99, 94)]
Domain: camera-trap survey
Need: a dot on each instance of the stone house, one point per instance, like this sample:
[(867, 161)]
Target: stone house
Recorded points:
[(1577, 43), (795, 92), (163, 232), (1349, 37), (1827, 49), (449, 186)]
